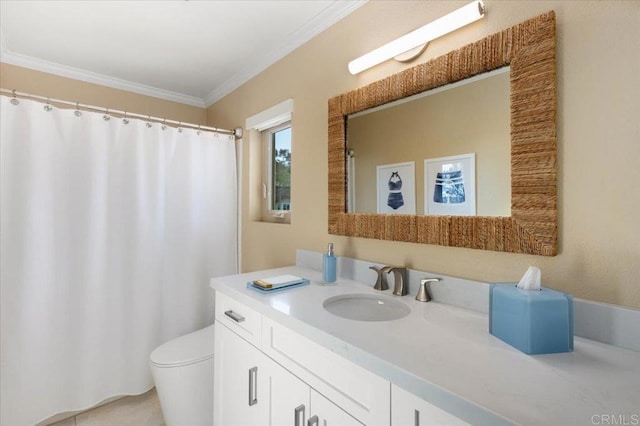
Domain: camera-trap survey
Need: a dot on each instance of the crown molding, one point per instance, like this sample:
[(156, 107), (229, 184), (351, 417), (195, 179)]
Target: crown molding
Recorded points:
[(329, 16), (25, 61)]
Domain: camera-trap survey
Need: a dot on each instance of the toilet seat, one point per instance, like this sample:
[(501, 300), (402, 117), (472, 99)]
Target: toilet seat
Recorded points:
[(188, 349)]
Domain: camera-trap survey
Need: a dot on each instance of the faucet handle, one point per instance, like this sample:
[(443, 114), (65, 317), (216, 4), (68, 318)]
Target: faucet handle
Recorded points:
[(423, 293), (381, 282)]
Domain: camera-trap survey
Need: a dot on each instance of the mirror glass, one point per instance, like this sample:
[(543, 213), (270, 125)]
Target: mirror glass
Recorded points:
[(446, 151)]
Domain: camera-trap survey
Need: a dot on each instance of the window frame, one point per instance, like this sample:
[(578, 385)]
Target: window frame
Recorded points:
[(255, 126), (268, 214)]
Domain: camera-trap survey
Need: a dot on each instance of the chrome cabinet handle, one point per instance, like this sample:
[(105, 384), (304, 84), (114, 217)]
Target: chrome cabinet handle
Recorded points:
[(313, 421), (253, 386), (296, 415), (416, 418), (234, 316)]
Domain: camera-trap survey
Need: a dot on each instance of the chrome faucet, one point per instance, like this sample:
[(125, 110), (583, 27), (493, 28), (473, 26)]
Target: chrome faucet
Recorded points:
[(381, 282), (400, 287)]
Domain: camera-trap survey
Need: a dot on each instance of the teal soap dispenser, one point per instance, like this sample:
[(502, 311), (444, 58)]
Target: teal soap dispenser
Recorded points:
[(329, 263)]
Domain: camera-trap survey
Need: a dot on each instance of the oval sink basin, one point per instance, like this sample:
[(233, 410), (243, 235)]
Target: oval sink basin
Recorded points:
[(366, 307)]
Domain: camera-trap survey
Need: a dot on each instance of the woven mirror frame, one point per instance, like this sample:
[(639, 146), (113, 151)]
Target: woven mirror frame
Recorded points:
[(529, 49)]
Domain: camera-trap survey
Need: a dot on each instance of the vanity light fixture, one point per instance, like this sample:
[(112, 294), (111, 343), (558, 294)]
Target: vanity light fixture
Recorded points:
[(441, 26)]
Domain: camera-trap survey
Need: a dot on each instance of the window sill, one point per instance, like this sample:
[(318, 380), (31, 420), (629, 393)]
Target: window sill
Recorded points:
[(281, 218)]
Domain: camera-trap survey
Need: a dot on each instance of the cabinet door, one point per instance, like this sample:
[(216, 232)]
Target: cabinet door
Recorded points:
[(326, 413), (240, 381), (288, 398), (409, 410)]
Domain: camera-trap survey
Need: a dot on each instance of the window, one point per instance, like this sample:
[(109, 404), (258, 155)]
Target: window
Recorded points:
[(270, 146), (276, 180)]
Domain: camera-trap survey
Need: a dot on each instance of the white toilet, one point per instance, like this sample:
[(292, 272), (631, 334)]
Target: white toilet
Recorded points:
[(182, 370)]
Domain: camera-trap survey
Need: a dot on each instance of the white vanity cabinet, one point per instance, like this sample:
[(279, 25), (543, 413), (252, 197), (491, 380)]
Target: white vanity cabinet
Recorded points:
[(362, 394), (252, 389), (240, 386), (409, 410), (268, 374)]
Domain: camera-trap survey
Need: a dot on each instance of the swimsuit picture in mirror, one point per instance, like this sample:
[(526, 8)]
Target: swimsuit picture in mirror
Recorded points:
[(396, 188)]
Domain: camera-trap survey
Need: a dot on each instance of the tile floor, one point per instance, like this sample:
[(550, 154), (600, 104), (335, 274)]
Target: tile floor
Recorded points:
[(140, 410)]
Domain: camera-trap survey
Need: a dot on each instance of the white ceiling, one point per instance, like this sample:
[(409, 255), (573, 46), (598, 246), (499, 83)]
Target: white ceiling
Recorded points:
[(193, 52)]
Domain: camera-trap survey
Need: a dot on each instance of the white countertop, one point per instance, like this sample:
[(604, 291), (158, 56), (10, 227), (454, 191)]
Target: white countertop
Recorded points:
[(446, 355)]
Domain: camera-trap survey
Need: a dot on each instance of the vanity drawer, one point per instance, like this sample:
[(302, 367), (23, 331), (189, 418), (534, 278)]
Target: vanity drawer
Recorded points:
[(239, 318), (362, 394)]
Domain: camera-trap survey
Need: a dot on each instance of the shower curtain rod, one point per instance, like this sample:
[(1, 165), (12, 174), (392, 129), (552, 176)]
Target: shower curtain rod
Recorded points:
[(236, 132)]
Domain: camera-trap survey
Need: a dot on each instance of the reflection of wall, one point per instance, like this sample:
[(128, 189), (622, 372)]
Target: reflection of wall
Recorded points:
[(473, 118), (598, 129)]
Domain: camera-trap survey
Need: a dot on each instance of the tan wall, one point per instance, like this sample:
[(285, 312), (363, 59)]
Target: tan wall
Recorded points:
[(599, 148), (472, 118), (43, 84)]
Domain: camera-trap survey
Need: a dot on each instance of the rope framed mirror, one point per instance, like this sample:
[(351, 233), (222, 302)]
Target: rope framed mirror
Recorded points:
[(529, 49)]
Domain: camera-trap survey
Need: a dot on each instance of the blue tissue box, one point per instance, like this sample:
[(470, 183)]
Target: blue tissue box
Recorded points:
[(535, 322)]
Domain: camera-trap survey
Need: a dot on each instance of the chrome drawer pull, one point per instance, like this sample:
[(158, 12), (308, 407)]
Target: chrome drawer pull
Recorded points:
[(313, 421), (234, 316), (253, 385)]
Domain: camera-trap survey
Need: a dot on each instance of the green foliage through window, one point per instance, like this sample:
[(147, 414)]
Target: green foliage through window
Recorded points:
[(281, 169)]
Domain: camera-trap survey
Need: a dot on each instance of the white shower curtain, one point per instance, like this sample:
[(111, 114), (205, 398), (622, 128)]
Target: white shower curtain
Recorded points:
[(109, 235)]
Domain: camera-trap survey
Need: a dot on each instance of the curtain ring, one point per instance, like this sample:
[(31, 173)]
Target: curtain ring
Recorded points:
[(180, 127), (125, 120), (199, 131), (149, 122), (164, 126), (77, 112), (106, 117), (14, 100), (47, 107)]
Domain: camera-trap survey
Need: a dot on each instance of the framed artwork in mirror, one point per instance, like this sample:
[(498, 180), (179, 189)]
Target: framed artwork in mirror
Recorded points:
[(450, 185), (396, 188)]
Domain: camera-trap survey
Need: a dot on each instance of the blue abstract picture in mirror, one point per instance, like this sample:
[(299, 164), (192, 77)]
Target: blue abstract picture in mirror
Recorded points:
[(449, 188)]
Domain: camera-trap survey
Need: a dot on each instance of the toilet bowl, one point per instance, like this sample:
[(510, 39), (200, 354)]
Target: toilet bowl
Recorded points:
[(182, 370)]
